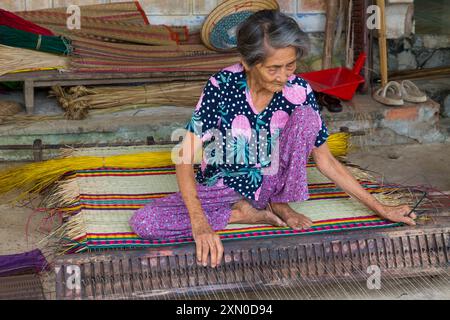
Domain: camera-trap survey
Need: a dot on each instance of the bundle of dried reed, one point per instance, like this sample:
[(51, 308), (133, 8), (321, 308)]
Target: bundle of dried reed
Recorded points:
[(19, 60), (77, 101)]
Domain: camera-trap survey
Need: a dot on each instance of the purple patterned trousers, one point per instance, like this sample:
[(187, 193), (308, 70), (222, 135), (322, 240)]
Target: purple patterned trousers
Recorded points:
[(168, 217)]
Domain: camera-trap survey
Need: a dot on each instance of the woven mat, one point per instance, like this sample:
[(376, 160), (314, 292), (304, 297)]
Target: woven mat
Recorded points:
[(130, 12), (96, 48), (107, 197), (110, 22), (91, 55)]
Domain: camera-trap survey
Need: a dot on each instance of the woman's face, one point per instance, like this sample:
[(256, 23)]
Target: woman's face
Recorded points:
[(273, 73)]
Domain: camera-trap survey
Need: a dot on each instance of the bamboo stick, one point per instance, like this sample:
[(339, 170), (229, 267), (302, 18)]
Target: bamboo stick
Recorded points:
[(420, 74), (382, 43), (348, 62), (332, 10)]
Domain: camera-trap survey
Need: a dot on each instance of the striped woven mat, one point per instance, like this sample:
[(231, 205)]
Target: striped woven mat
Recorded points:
[(129, 12), (106, 198), (97, 56), (124, 21)]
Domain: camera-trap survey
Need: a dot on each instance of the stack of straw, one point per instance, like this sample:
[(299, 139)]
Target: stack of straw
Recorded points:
[(35, 177), (19, 60)]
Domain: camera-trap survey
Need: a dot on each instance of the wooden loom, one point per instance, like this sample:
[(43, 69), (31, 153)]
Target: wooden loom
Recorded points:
[(276, 264)]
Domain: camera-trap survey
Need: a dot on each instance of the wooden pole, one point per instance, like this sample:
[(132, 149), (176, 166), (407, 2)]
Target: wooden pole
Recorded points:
[(382, 43), (330, 29)]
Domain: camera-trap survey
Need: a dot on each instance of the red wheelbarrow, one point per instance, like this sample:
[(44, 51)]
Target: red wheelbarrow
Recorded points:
[(339, 82)]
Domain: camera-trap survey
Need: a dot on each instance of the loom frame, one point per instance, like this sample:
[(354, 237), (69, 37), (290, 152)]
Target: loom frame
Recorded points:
[(171, 272)]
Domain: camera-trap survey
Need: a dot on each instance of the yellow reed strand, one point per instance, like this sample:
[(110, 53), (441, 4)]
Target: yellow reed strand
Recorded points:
[(35, 177), (339, 143)]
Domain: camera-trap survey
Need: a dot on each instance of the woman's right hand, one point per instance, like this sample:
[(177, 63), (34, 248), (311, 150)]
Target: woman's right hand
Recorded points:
[(207, 243), (206, 240)]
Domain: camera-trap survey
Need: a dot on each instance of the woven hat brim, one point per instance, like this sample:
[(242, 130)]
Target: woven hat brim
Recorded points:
[(9, 108), (229, 7)]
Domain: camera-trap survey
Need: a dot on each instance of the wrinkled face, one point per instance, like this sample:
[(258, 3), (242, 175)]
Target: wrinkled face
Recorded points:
[(273, 73)]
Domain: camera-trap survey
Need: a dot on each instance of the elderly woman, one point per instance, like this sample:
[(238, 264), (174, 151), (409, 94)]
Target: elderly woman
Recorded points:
[(258, 123)]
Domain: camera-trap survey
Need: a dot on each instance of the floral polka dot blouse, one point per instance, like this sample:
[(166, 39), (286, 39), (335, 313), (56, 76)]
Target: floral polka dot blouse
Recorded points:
[(237, 139)]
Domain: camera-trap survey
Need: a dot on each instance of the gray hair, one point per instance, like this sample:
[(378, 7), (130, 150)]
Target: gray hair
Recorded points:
[(269, 28)]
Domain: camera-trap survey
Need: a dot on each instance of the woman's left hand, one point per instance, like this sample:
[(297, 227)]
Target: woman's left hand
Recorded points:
[(341, 176), (398, 214)]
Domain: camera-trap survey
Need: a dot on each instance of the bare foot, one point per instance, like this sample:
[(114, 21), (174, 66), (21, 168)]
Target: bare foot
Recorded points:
[(293, 219), (243, 212)]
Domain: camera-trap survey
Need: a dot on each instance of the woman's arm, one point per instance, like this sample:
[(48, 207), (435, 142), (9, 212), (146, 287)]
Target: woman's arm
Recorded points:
[(206, 240), (336, 172)]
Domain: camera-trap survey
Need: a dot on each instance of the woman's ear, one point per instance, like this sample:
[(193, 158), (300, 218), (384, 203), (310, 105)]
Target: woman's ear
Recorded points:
[(245, 65)]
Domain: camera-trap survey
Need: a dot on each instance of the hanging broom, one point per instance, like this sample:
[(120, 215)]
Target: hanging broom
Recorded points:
[(27, 40)]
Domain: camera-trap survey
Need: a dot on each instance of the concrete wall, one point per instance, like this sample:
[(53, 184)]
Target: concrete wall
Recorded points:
[(309, 13)]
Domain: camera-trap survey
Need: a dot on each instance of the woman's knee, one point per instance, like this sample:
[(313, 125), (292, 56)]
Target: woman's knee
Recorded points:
[(145, 223)]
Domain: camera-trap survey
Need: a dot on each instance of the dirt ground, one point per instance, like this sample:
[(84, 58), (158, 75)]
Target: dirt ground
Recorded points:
[(415, 164), (21, 228)]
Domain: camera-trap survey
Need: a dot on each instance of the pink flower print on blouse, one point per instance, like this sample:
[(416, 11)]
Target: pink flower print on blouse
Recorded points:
[(257, 193), (220, 183), (208, 135), (203, 165), (199, 103), (308, 89), (292, 77), (214, 82), (241, 127), (235, 68), (278, 121), (294, 93)]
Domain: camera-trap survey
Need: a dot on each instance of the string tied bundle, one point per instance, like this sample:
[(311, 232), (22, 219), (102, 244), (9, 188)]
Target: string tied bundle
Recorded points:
[(27, 40)]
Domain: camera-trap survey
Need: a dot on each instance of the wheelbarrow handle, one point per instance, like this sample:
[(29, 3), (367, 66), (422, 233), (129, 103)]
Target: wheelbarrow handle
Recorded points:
[(359, 63)]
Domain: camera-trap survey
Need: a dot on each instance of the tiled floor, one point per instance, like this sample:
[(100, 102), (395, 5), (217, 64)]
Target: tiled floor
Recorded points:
[(432, 16)]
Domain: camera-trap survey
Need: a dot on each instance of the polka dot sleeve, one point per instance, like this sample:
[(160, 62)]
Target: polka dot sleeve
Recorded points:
[(323, 134), (206, 113)]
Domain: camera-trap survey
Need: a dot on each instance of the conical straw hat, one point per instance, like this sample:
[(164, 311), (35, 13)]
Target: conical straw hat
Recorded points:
[(219, 29)]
